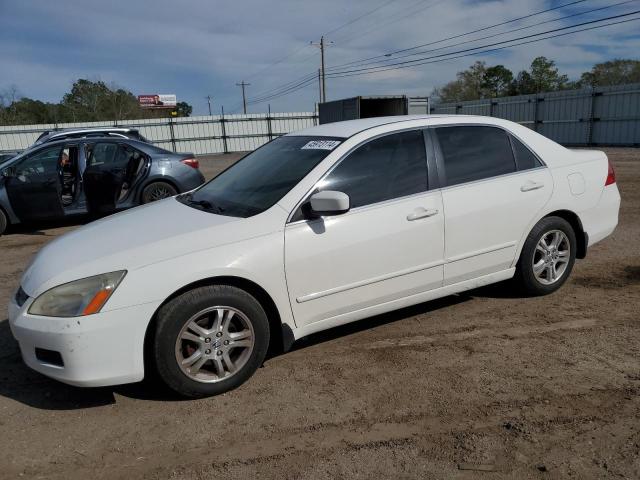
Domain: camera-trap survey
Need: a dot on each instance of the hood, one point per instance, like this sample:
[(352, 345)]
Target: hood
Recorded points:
[(130, 240)]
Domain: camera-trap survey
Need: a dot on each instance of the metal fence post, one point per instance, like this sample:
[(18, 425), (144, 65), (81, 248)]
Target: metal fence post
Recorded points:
[(592, 119), (269, 130), (224, 132), (535, 113), (172, 133)]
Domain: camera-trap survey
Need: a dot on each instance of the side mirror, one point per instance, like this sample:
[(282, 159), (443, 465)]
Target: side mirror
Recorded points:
[(329, 202)]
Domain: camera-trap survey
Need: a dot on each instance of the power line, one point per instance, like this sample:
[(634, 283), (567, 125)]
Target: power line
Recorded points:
[(392, 19), (284, 87), (420, 52), (350, 22), (292, 89), (278, 61), (307, 80), (339, 74), (461, 34)]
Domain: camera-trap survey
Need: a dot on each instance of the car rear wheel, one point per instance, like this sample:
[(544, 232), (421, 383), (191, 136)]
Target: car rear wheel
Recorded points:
[(4, 222), (547, 257), (210, 340), (157, 191)]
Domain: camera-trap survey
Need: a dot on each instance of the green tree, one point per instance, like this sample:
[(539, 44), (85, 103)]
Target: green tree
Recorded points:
[(614, 72), (496, 80), (523, 84), (545, 75), (468, 85), (184, 109), (90, 101)]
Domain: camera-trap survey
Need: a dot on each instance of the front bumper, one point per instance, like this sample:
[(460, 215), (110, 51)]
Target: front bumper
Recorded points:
[(97, 350)]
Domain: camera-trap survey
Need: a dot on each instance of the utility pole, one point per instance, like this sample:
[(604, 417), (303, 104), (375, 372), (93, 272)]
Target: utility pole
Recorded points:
[(324, 86), (244, 98), (319, 86), (208, 97), (322, 46)]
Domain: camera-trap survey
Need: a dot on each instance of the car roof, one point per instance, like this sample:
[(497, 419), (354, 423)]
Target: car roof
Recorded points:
[(350, 128), (53, 134)]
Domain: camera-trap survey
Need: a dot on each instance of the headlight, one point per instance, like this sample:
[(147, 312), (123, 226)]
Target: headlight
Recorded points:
[(77, 298)]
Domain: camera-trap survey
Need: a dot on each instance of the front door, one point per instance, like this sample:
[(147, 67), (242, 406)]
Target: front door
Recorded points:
[(35, 185), (494, 189), (388, 246)]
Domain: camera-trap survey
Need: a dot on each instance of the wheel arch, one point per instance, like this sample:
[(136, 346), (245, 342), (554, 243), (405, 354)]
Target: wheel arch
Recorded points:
[(281, 336), (157, 179), (582, 239)]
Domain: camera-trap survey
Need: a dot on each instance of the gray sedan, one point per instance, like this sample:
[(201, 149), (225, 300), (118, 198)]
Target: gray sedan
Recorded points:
[(90, 175)]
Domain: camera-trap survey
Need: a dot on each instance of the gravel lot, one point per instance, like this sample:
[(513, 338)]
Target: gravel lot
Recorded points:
[(519, 388)]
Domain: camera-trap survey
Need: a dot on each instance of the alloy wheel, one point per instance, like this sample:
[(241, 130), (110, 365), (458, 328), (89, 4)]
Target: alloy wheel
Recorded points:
[(214, 344), (551, 257), (158, 193)]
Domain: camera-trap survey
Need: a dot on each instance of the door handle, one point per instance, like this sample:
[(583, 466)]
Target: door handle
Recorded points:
[(527, 187), (421, 212)]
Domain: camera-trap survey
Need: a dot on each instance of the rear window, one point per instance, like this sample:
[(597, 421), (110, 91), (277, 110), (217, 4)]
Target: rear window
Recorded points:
[(524, 157), (474, 153)]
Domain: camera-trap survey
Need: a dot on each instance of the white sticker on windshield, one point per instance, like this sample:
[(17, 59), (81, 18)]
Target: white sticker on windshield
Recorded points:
[(321, 145)]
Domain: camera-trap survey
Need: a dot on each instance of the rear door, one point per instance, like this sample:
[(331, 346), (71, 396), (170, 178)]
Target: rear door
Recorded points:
[(494, 187), (112, 170), (101, 177), (35, 187)]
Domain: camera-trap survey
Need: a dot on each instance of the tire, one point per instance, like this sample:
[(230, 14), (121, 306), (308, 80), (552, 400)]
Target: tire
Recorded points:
[(209, 342), (552, 265), (4, 222), (157, 191)]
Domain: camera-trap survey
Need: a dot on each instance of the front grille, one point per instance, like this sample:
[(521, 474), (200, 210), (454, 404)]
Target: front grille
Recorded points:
[(21, 297)]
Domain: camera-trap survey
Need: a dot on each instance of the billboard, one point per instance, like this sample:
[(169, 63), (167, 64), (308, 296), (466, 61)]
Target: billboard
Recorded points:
[(157, 101)]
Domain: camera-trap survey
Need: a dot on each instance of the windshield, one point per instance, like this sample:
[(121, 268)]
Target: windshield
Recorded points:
[(263, 177)]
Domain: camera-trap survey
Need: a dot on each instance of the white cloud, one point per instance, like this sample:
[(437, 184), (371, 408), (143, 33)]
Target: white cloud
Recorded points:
[(199, 47)]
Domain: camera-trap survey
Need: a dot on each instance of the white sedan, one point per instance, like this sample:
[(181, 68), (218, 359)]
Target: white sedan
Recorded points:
[(315, 229)]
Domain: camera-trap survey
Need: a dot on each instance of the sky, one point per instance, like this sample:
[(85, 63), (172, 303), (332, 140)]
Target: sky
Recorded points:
[(196, 48)]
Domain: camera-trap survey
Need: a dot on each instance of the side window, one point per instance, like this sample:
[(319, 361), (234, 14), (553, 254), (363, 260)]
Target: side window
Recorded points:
[(44, 162), (525, 159), (473, 153), (130, 159), (389, 167), (101, 154)]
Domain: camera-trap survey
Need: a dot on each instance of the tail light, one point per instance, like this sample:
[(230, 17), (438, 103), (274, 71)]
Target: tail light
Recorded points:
[(611, 175), (192, 162)]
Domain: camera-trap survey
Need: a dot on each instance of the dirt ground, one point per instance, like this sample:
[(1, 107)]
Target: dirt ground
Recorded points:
[(479, 385)]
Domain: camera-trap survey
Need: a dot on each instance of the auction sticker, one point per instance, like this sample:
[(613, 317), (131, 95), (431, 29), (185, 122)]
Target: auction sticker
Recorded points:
[(321, 145)]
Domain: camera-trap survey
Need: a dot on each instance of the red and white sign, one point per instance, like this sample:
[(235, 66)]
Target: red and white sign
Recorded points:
[(157, 101)]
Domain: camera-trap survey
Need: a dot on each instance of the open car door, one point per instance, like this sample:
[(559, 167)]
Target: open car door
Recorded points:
[(34, 185), (110, 171)]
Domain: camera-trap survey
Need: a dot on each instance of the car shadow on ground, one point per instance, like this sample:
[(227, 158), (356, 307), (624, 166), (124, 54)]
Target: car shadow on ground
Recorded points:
[(26, 386)]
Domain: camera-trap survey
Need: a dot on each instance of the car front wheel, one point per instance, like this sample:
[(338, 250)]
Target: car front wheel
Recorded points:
[(210, 340), (547, 257)]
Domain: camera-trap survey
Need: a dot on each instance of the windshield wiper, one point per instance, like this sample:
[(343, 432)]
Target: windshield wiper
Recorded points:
[(205, 204)]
